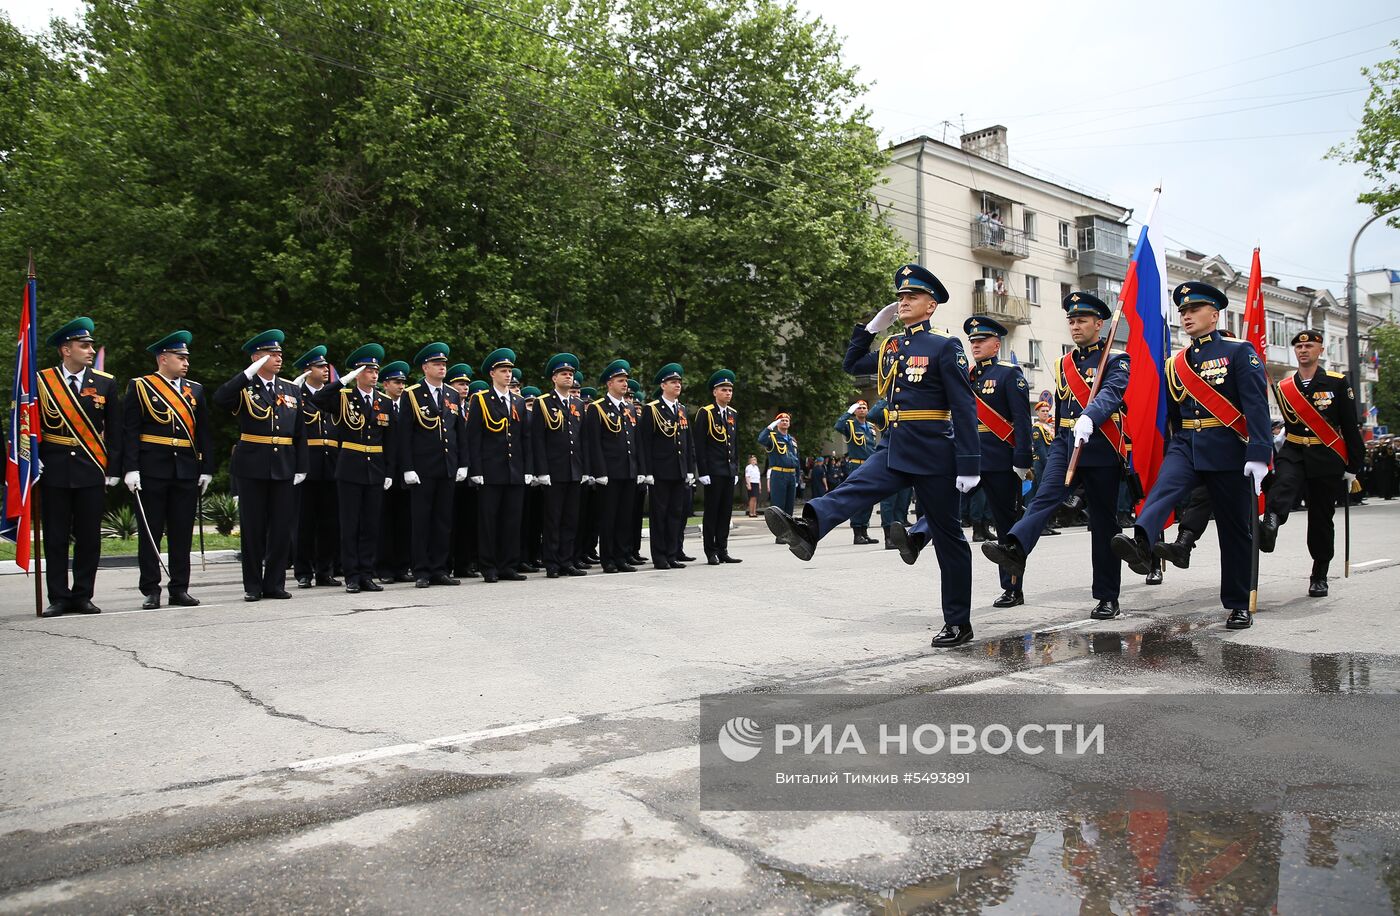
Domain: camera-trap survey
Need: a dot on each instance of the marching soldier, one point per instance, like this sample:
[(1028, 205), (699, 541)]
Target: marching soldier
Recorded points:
[(560, 464), (499, 456), (318, 506), (861, 439), (80, 447), (269, 459), (364, 468), (392, 560), (432, 457), (168, 460), (668, 464), (784, 462), (464, 494), (932, 444), (609, 435), (1042, 435), (1220, 413), (717, 460), (1320, 457), (1097, 427), (1004, 431)]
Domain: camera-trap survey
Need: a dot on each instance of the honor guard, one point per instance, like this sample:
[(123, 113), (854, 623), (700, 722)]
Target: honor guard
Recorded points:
[(717, 461), (432, 456), (318, 505), (1097, 426), (590, 494), (168, 463), (80, 449), (932, 443), (1219, 412), (363, 423), (464, 493), (668, 464), (640, 503), (784, 462), (392, 560), (560, 464), (609, 436), (499, 454), (861, 438), (1320, 456), (269, 459), (532, 519)]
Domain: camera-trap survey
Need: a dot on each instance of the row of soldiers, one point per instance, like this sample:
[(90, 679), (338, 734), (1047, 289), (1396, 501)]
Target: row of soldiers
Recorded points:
[(400, 482)]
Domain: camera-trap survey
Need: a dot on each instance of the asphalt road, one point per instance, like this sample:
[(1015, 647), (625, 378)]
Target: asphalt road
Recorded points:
[(534, 746)]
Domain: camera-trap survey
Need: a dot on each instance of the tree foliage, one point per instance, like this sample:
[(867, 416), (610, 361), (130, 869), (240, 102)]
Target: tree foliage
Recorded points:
[(1385, 339), (1377, 141)]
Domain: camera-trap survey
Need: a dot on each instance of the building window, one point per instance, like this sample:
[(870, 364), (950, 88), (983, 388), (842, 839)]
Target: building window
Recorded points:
[(1278, 331), (1065, 290), (1064, 234), (1104, 239), (1032, 290), (1066, 350), (1028, 223), (1036, 355)]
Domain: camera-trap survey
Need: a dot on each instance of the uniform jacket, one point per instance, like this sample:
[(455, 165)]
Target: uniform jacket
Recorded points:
[(860, 435), (716, 442), (781, 448), (1042, 434), (498, 440), (1098, 452), (1003, 388), (432, 439), (609, 437), (368, 440), (68, 464), (556, 433), (664, 443), (271, 428), (321, 451), (155, 441), (1233, 368), (1330, 393)]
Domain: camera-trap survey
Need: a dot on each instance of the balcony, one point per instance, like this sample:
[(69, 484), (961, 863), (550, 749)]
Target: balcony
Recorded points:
[(993, 237), (1009, 310)]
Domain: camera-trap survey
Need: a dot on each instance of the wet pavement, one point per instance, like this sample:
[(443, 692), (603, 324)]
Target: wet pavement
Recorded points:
[(534, 747)]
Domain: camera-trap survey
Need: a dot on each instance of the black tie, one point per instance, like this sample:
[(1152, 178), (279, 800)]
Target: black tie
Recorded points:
[(73, 383)]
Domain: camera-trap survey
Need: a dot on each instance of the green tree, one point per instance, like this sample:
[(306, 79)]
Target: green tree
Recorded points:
[(1385, 340), (1377, 141)]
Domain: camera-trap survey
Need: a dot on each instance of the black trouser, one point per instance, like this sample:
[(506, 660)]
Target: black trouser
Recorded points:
[(615, 521), (361, 507), (464, 527), (667, 518), (1290, 480), (560, 523), (170, 508), (77, 513), (265, 513), (719, 505), (999, 489), (532, 525), (431, 503), (391, 557), (640, 500), (318, 514), (1194, 514), (590, 504), (500, 506)]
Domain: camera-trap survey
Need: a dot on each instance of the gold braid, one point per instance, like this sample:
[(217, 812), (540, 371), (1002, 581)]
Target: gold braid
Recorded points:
[(492, 426), (614, 426), (667, 428), (885, 377), (718, 431), (351, 419)]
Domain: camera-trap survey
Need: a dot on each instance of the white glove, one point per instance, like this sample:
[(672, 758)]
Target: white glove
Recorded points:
[(705, 479), (529, 480), (650, 481), (1257, 470), (298, 479), (133, 480), (601, 481), (410, 478), (544, 481), (388, 482), (1348, 478), (586, 480), (461, 475), (254, 367), (113, 481), (967, 484), (478, 480), (689, 480), (736, 480), (1023, 473), (348, 378), (204, 481), (883, 318), (852, 408), (773, 424), (301, 378), (641, 478), (1083, 429)]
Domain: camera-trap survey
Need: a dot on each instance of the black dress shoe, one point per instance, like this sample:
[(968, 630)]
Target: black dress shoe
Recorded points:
[(1239, 619), (796, 533), (1106, 609), (551, 573), (471, 572), (369, 585), (183, 599), (1317, 587), (303, 581), (592, 557), (404, 577), (572, 571), (528, 567), (277, 594), (441, 579), (58, 608), (488, 577), (1008, 556), (1132, 549), (84, 607), (1050, 532), (385, 580), (626, 567), (907, 544), (635, 559), (726, 558), (952, 634), (1154, 575), (1178, 552), (684, 559), (328, 582), (512, 576), (711, 559), (1010, 598), (1268, 531), (151, 603), (610, 569), (421, 583), (353, 588), (252, 596)]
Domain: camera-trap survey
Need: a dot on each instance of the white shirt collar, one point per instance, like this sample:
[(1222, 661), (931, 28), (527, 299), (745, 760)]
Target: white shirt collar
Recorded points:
[(669, 403), (617, 402)]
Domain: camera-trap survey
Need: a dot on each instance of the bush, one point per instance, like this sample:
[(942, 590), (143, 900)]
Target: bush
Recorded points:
[(222, 511), (120, 523)]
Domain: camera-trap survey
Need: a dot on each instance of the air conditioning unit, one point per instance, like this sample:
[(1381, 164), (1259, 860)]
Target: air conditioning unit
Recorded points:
[(1071, 254)]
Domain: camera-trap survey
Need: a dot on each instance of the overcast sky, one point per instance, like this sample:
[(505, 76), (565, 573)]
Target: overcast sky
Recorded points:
[(1231, 106)]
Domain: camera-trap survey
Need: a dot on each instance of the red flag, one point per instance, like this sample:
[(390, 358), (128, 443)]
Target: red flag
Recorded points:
[(1254, 321), (22, 466)]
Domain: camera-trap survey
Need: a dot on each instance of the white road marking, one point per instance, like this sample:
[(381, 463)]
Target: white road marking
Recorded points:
[(1370, 563), (398, 750)]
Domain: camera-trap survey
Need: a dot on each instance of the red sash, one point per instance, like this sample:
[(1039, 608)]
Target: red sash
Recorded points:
[(74, 417), (1215, 403), (158, 388), (1080, 389), (988, 417), (1312, 418)]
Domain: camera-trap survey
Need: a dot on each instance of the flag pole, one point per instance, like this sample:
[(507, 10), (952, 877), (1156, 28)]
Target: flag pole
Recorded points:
[(35, 522)]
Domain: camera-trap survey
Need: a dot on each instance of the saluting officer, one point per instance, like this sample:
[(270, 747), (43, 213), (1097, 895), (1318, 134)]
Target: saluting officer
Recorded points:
[(668, 464), (499, 455), (609, 435), (269, 459), (1097, 426), (168, 461), (861, 439), (1219, 411), (432, 457), (932, 443), (80, 447), (560, 463), (318, 506), (784, 462), (1320, 456), (363, 423), (717, 461), (393, 561)]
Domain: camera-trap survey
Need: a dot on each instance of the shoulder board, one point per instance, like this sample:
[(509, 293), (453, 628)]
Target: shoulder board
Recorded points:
[(653, 403), (193, 384), (100, 374), (1117, 352), (1335, 374), (597, 402), (707, 407), (411, 388)]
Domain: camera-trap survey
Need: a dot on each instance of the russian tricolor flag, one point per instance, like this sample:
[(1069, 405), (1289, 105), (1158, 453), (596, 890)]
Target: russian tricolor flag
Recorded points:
[(1145, 306)]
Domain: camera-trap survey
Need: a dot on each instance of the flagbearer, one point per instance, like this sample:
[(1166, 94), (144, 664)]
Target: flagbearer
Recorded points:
[(1219, 410), (269, 459), (717, 461), (167, 462), (861, 439), (432, 457), (1320, 456), (80, 448), (318, 507)]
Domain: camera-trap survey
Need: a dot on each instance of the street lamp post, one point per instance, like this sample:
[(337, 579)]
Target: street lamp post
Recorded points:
[(1353, 332)]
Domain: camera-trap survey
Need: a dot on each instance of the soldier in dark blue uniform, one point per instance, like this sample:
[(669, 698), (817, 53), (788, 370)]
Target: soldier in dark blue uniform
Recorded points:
[(609, 435), (432, 458), (784, 462), (167, 462), (498, 448), (393, 561), (1097, 426), (668, 464), (1219, 411), (318, 505), (861, 438), (269, 459), (717, 462), (932, 443), (362, 421), (560, 464), (81, 449)]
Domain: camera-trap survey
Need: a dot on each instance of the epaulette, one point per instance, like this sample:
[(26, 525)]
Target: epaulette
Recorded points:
[(101, 373), (595, 402), (653, 403), (1335, 374), (412, 387)]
